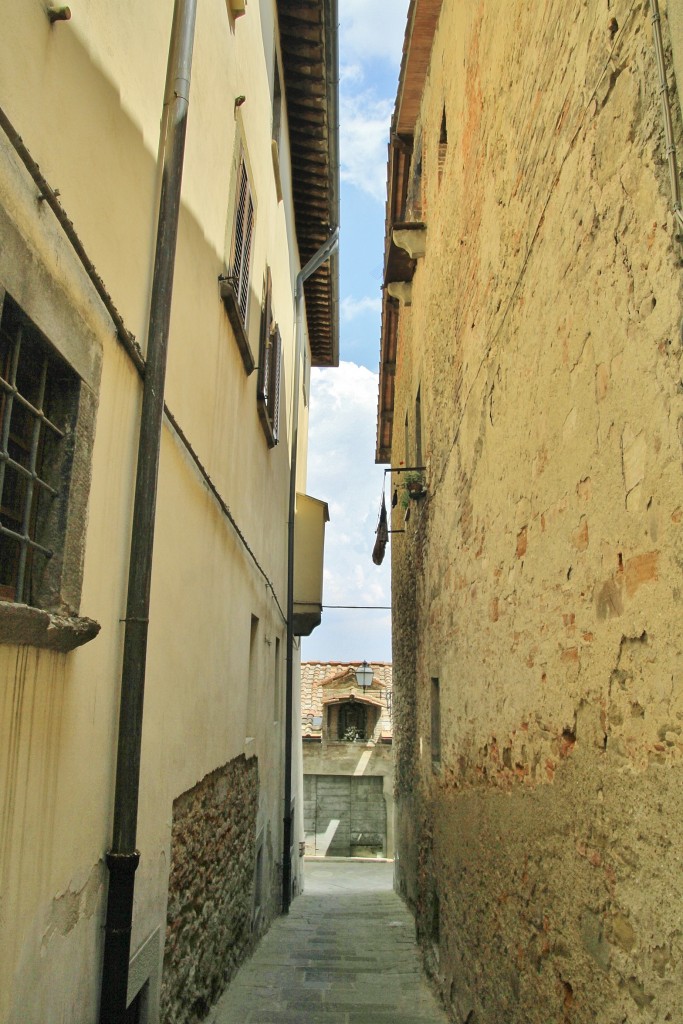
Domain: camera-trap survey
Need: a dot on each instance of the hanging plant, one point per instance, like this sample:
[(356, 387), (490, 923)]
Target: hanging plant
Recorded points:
[(413, 487)]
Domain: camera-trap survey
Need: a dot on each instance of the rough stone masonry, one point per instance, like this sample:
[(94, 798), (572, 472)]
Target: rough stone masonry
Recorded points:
[(211, 890), (538, 587)]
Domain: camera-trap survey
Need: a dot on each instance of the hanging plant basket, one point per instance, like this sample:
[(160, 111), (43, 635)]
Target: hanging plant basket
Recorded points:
[(413, 486)]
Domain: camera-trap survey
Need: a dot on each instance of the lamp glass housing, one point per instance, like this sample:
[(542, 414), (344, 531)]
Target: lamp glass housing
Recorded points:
[(364, 675)]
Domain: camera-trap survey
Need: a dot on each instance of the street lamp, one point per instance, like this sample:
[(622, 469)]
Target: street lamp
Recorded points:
[(364, 675)]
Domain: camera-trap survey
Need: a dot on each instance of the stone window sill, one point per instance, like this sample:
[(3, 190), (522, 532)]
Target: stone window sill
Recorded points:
[(20, 624)]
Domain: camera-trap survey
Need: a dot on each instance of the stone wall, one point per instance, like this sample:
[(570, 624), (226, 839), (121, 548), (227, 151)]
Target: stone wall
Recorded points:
[(540, 578), (211, 889)]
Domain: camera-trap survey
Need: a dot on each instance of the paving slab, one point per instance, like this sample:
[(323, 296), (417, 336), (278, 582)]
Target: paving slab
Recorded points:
[(345, 954)]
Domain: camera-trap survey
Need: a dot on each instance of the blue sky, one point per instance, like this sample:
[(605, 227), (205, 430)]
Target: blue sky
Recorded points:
[(343, 412)]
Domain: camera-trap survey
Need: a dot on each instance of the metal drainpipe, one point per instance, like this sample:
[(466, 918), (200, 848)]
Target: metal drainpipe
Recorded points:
[(123, 857), (324, 253)]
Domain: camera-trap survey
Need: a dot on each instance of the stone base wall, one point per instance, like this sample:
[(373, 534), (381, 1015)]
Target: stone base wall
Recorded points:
[(555, 906), (540, 580), (211, 889)]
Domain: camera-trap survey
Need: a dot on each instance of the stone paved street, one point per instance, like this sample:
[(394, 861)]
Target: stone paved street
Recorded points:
[(345, 954)]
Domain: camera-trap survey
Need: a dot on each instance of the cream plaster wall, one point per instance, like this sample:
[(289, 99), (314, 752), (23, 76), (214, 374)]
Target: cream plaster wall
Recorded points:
[(86, 96)]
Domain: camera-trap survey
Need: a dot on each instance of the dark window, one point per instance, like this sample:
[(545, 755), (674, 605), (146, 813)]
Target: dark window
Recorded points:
[(253, 633), (418, 429), (352, 721), (38, 409), (443, 144), (270, 359), (254, 670), (277, 101), (414, 198), (436, 723), (241, 242), (259, 879), (406, 442), (277, 125), (276, 682)]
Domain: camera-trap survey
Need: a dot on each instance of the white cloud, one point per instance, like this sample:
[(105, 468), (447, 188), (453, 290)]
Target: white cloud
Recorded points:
[(371, 39), (343, 411), (350, 74), (372, 31), (363, 137), (342, 471), (350, 308)]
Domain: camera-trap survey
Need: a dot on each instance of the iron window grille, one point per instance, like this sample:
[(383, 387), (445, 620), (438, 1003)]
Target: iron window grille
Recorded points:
[(37, 403), (241, 243), (269, 370)]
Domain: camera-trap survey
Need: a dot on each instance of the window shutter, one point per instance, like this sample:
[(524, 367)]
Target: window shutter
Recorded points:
[(264, 346), (274, 396), (244, 220), (270, 359), (246, 253)]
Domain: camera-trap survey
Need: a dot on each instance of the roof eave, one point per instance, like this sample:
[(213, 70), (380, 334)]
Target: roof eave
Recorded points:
[(422, 19), (308, 40)]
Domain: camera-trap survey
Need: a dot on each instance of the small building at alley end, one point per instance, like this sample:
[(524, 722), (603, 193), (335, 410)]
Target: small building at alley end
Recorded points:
[(348, 759)]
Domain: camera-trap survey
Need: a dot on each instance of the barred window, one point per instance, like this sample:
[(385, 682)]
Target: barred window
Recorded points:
[(38, 408), (270, 359), (241, 243)]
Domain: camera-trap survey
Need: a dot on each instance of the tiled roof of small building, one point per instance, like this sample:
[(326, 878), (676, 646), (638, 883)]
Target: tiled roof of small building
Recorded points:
[(323, 682)]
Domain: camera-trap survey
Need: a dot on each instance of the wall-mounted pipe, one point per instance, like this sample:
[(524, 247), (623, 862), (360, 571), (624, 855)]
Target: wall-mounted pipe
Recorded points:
[(123, 857), (321, 256), (327, 251)]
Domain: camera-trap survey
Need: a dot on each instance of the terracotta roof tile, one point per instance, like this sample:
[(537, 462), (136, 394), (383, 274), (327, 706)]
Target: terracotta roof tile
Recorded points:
[(325, 682)]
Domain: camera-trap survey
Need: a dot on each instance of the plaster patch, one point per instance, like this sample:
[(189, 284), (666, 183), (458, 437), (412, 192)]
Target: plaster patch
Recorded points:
[(74, 904)]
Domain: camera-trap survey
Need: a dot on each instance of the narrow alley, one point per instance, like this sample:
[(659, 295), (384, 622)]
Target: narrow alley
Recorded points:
[(341, 512), (345, 954)]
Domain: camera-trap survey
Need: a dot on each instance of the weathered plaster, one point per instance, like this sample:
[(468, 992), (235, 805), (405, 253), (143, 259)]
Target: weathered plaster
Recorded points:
[(539, 580), (86, 96)]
